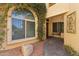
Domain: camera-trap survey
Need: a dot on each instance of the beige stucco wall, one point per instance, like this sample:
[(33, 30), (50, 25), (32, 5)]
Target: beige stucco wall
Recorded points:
[(70, 38), (57, 8), (58, 18)]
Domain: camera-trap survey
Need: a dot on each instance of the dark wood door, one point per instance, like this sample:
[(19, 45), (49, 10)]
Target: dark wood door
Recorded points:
[(47, 30)]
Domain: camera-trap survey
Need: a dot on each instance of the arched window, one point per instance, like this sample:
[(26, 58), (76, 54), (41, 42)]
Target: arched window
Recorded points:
[(22, 24)]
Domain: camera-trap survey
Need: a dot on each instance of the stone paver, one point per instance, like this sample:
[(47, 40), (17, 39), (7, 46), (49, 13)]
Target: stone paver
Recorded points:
[(50, 47), (38, 49), (54, 47), (12, 52)]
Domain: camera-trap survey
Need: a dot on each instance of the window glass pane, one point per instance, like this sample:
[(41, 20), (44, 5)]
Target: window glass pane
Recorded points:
[(23, 15), (62, 27), (30, 29), (29, 16), (54, 27), (18, 29), (58, 27)]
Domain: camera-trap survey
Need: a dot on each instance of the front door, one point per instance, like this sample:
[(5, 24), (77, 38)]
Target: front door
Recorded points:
[(47, 28)]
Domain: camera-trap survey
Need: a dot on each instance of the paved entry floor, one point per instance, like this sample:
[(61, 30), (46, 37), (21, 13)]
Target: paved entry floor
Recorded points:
[(54, 47), (50, 47)]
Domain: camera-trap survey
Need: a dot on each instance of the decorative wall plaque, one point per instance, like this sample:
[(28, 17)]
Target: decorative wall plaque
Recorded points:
[(71, 23)]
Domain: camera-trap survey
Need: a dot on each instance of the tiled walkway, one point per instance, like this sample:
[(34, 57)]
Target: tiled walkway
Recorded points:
[(54, 47), (12, 52), (49, 47), (38, 49)]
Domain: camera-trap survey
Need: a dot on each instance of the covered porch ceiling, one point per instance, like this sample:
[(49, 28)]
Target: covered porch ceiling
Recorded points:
[(57, 9)]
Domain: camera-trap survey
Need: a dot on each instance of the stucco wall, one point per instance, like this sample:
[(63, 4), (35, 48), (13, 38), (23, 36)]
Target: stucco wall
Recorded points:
[(70, 38), (57, 8), (59, 18)]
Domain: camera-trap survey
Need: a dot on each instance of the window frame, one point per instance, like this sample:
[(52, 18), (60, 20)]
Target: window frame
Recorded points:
[(9, 28)]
